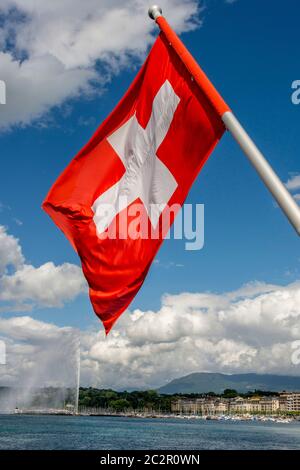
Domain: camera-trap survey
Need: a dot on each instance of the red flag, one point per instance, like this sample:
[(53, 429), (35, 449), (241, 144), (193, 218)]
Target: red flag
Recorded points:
[(148, 151)]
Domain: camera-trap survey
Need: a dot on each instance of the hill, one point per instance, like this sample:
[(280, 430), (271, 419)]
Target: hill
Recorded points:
[(204, 382)]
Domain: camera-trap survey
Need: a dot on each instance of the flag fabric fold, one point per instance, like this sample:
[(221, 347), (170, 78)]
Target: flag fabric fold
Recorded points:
[(113, 199)]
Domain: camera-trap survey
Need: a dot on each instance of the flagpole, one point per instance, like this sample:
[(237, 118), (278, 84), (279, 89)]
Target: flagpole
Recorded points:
[(263, 168)]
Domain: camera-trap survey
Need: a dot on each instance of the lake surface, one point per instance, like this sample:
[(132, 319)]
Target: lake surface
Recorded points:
[(106, 433)]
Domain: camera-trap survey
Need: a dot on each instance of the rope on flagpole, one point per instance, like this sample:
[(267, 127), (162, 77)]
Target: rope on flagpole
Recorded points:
[(263, 168)]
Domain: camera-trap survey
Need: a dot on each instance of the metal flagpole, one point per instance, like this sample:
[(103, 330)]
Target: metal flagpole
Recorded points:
[(263, 168)]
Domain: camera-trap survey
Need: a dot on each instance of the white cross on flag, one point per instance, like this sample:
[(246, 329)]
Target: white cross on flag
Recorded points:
[(146, 177), (141, 160)]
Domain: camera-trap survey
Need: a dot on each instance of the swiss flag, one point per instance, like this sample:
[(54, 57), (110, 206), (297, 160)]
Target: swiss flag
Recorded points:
[(146, 154)]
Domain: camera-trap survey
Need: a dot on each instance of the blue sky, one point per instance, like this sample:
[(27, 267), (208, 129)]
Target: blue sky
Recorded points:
[(250, 50)]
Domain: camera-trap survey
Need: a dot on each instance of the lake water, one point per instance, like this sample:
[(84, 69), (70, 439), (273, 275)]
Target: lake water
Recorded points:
[(106, 433)]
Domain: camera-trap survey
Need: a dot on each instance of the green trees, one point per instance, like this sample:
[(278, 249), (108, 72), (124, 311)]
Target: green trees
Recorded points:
[(95, 398), (119, 405), (230, 393), (120, 401), (148, 400)]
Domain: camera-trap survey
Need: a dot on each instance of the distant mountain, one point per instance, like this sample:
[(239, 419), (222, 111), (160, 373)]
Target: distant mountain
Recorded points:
[(203, 382)]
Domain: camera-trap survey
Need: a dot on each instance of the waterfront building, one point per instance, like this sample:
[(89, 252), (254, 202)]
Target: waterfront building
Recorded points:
[(289, 401), (255, 404), (238, 405), (194, 406), (221, 407), (269, 405)]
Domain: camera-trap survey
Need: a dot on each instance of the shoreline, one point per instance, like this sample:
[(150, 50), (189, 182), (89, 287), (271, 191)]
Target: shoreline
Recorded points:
[(141, 415)]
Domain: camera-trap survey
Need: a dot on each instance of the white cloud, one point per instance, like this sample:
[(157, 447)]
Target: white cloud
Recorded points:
[(47, 285), (167, 265), (23, 286), (10, 251), (248, 330), (251, 329), (25, 328), (293, 184), (52, 51), (36, 85)]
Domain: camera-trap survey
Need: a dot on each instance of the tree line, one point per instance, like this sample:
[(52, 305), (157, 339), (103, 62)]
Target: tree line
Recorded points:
[(149, 399)]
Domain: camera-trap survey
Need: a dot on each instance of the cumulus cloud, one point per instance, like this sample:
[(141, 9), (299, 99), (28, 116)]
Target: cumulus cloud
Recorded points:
[(53, 51), (10, 251), (293, 184), (252, 329), (34, 349), (23, 286), (249, 330)]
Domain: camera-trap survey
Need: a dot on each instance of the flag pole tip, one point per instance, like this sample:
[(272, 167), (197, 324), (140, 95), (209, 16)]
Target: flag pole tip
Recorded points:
[(154, 12)]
